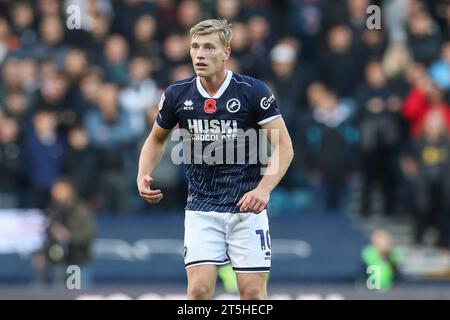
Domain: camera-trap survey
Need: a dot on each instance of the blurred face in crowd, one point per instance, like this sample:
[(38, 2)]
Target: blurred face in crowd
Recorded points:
[(78, 138), (100, 27), (420, 25), (45, 123), (51, 30), (16, 103), (258, 28), (90, 86), (145, 28), (28, 70), (9, 130), (107, 101), (357, 8), (188, 13), (340, 39), (75, 63), (175, 48), (54, 87), (240, 37), (49, 7), (381, 240), (315, 93), (208, 54), (375, 74), (9, 74), (140, 69), (62, 192), (227, 9), (22, 16), (434, 124), (116, 49)]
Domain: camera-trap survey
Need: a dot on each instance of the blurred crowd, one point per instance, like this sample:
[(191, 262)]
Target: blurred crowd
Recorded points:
[(366, 103)]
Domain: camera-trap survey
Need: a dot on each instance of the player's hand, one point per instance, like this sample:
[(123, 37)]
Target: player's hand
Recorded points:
[(254, 201), (149, 195)]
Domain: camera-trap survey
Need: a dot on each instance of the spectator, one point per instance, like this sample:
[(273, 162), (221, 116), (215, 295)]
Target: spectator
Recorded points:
[(126, 12), (109, 129), (440, 70), (140, 95), (396, 61), (259, 42), (69, 237), (51, 46), (229, 10), (341, 64), (116, 63), (145, 41), (428, 171), (381, 136), (188, 14), (23, 20), (381, 261), (43, 151), (79, 161), (17, 105), (11, 164), (424, 38), (330, 137), (424, 97)]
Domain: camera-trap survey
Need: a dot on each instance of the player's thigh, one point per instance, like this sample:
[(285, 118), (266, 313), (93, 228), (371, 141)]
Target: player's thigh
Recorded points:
[(202, 275), (252, 281)]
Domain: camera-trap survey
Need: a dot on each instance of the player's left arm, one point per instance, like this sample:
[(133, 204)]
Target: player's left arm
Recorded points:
[(256, 200)]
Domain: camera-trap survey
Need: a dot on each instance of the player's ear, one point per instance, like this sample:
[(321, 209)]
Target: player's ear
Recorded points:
[(226, 54)]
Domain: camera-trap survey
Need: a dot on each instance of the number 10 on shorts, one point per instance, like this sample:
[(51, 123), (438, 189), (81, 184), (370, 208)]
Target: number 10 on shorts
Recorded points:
[(264, 240)]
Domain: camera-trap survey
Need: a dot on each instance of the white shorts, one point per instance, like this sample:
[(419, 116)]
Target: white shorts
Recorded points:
[(220, 238)]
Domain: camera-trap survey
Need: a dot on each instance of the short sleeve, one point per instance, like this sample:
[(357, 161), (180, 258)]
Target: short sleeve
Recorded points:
[(166, 118), (265, 105)]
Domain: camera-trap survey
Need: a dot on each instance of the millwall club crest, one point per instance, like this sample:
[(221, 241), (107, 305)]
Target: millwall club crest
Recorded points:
[(233, 105), (210, 106)]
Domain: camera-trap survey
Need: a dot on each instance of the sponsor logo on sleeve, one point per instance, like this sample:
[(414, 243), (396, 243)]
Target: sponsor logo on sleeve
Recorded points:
[(266, 102)]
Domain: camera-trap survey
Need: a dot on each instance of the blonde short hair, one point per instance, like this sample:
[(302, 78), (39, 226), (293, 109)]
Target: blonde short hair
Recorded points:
[(221, 26)]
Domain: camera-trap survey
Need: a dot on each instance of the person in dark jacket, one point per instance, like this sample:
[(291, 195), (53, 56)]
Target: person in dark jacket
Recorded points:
[(429, 175), (69, 236)]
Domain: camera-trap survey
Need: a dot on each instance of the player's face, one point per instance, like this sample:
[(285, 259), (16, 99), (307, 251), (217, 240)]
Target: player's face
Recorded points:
[(208, 54)]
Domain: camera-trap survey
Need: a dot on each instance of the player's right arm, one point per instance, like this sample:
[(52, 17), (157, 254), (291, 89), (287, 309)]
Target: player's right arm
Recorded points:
[(154, 147), (150, 156)]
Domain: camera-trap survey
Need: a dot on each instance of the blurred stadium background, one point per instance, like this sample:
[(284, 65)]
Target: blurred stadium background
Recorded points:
[(368, 111)]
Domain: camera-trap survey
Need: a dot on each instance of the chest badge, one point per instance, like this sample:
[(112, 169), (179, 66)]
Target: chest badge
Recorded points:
[(210, 106), (233, 105)]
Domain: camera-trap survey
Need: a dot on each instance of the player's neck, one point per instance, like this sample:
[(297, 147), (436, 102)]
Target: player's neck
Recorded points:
[(212, 83)]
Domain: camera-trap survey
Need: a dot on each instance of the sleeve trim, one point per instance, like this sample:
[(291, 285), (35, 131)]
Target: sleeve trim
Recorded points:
[(162, 125), (269, 119)]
